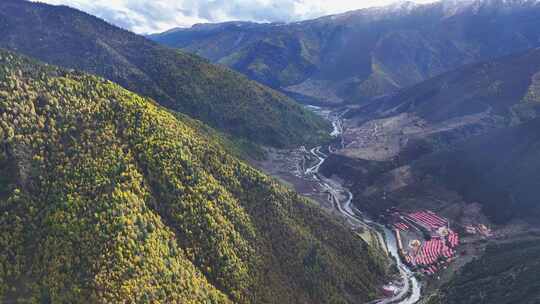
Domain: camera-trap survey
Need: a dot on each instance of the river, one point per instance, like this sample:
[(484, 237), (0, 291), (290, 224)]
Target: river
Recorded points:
[(411, 291)]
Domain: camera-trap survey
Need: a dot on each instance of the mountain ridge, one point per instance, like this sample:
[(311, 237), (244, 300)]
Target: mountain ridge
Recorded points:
[(182, 82), (356, 56)]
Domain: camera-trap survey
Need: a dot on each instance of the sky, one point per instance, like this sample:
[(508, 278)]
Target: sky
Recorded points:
[(151, 16)]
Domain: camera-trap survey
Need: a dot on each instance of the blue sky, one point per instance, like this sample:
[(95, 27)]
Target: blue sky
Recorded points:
[(148, 16)]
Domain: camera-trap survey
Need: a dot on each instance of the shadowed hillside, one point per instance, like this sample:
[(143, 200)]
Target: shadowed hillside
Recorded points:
[(473, 131), (508, 87), (506, 274), (501, 170)]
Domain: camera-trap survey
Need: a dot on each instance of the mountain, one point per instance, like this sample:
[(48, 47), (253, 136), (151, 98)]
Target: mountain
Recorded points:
[(500, 170), (446, 109), (472, 132), (359, 55), (181, 82), (505, 274), (507, 87), (107, 197)]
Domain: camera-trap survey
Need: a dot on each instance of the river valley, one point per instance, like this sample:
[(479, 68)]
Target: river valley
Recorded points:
[(300, 169), (410, 290)]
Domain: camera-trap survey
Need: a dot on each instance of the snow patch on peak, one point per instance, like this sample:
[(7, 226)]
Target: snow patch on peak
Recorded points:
[(401, 6)]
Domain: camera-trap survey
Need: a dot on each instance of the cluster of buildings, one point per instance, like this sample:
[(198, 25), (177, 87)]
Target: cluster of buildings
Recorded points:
[(480, 229), (425, 241)]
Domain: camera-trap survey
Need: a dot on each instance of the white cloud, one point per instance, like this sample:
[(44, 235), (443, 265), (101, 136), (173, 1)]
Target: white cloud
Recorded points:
[(144, 16)]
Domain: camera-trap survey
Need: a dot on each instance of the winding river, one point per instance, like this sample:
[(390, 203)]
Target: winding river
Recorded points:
[(410, 292)]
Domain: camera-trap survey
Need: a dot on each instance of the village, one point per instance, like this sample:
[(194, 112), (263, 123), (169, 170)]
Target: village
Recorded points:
[(427, 242)]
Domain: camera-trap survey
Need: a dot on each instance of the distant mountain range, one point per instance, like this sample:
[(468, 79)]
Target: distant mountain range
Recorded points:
[(179, 81), (353, 57)]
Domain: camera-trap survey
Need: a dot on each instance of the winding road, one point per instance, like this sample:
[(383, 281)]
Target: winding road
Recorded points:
[(410, 292)]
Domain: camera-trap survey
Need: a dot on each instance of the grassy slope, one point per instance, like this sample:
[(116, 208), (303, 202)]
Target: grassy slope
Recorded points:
[(107, 197), (185, 83)]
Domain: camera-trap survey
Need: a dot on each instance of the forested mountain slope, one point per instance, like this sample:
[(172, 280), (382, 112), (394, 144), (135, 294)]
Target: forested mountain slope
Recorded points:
[(185, 83), (355, 56), (506, 274), (107, 197)]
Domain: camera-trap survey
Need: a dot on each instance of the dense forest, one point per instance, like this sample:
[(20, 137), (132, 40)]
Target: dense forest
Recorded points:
[(182, 82), (107, 197)]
